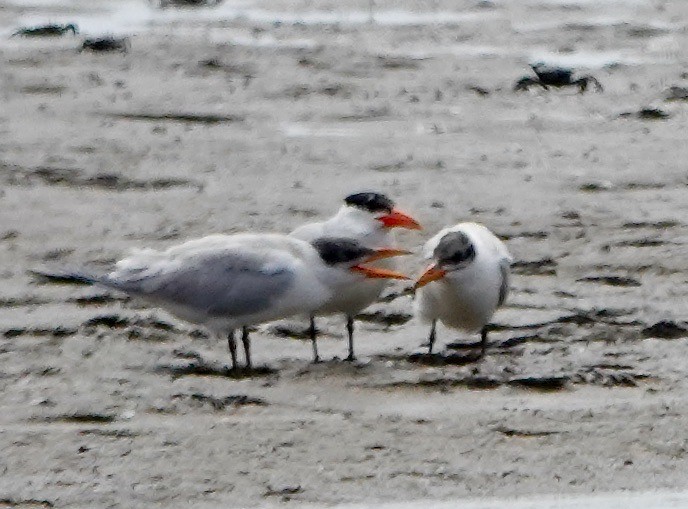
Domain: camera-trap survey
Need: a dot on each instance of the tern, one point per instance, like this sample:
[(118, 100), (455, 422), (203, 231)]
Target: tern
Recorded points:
[(466, 281), (366, 218), (229, 282)]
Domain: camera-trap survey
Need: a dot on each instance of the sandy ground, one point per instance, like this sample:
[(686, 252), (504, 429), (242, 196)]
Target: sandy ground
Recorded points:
[(263, 115)]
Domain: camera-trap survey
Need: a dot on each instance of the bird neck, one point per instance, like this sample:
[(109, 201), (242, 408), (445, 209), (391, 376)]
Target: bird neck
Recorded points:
[(357, 223)]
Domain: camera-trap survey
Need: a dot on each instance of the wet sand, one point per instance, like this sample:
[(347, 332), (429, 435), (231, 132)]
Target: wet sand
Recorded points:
[(263, 115)]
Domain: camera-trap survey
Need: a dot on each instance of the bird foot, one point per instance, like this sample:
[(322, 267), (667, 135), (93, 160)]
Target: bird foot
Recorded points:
[(350, 358)]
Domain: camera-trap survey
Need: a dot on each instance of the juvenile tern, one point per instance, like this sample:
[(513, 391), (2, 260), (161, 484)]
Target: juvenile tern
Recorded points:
[(466, 281)]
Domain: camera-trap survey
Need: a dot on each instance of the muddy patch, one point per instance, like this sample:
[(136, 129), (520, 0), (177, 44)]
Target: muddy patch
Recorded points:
[(97, 300), (442, 384), (371, 114), (199, 400), (542, 267), (646, 114), (185, 4), (55, 332), (676, 94), (7, 503), (78, 418), (610, 375), (537, 235), (611, 280), (644, 242), (112, 433), (666, 330), (656, 225), (524, 433), (398, 63), (329, 90), (293, 331), (17, 302), (43, 89), (187, 118), (437, 359), (285, 492), (547, 383), (74, 177), (216, 64), (386, 319), (389, 167), (600, 376), (522, 340), (115, 321)]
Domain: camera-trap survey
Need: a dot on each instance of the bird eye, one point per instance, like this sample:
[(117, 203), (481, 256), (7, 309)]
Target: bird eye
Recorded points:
[(463, 255)]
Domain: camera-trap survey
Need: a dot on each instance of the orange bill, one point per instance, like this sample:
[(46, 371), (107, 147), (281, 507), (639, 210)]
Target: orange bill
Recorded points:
[(432, 273), (377, 273), (386, 252), (397, 219)]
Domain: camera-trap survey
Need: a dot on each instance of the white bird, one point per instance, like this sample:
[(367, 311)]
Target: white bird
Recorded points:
[(467, 280), (366, 218), (226, 282)]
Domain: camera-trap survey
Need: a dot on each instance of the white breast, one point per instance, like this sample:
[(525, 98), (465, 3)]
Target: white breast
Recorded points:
[(352, 223), (466, 299)]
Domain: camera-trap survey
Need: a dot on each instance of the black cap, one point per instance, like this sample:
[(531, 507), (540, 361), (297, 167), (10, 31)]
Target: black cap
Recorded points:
[(340, 250), (372, 202)]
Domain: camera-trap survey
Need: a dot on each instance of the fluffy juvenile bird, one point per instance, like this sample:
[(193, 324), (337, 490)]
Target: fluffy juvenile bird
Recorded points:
[(367, 218), (466, 281), (229, 282)]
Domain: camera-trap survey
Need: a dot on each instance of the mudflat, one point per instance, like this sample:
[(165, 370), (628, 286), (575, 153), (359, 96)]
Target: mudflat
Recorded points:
[(264, 115)]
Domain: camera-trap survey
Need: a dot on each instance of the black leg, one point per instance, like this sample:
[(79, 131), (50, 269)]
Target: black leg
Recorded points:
[(431, 339), (232, 349), (350, 330), (483, 342), (247, 346), (314, 340)]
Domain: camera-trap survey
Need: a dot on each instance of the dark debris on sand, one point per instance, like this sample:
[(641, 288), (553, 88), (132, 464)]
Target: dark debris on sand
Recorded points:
[(220, 403), (80, 418), (74, 177), (666, 329), (386, 319), (612, 280), (646, 114), (542, 267)]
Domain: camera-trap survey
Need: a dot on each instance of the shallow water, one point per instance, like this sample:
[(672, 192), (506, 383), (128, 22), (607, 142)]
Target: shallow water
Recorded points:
[(649, 500), (133, 17)]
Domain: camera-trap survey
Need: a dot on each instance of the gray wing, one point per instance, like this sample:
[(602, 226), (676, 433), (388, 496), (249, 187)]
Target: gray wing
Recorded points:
[(220, 284), (504, 269)]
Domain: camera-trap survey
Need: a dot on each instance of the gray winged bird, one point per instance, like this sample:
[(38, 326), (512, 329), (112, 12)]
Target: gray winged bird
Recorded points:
[(466, 281), (228, 282), (367, 218)]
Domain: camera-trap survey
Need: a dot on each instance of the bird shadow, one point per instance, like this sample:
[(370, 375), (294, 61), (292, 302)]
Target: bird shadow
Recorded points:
[(444, 359), (436, 359), (199, 367), (462, 346)]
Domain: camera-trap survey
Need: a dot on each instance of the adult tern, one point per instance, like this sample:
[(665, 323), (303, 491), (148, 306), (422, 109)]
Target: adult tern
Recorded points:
[(229, 282), (367, 218)]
